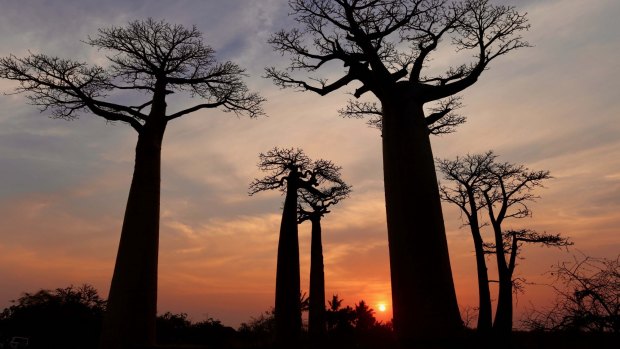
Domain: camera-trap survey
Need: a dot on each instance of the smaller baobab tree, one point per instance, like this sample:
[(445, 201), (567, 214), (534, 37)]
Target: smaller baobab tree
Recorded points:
[(466, 175), (312, 207), (478, 184), (506, 191), (148, 61), (290, 171)]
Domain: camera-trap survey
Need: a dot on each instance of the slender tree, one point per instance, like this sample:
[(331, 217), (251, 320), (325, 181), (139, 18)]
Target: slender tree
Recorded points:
[(467, 175), (385, 45), (290, 171), (512, 242), (507, 190), (148, 61), (314, 207)]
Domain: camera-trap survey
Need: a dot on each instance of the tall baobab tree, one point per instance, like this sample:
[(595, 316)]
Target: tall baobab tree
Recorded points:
[(149, 60), (313, 208), (467, 175), (385, 46), (506, 191), (290, 171)]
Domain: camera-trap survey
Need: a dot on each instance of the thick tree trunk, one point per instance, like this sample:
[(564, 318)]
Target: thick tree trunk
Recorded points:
[(132, 303), (316, 316), (423, 294), (288, 307)]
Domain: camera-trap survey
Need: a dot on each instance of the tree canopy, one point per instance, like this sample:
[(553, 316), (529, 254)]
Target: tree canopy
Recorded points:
[(388, 41), (141, 54)]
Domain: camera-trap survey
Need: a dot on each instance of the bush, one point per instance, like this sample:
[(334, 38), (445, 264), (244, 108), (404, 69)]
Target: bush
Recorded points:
[(63, 318)]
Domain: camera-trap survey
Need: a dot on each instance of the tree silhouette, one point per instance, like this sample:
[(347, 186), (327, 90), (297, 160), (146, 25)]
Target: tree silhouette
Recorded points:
[(290, 171), (149, 60), (339, 319), (468, 174), (502, 189), (313, 207), (506, 191), (385, 45), (67, 317), (365, 316)]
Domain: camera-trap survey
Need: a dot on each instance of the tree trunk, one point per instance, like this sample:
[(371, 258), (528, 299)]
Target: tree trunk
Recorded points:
[(288, 307), (316, 316), (132, 302), (423, 295), (485, 314), (503, 316), (502, 325)]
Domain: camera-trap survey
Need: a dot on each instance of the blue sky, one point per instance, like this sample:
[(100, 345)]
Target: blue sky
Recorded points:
[(64, 184)]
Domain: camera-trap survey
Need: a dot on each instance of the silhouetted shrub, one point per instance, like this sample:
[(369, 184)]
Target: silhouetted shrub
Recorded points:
[(63, 318), (177, 329), (259, 332)]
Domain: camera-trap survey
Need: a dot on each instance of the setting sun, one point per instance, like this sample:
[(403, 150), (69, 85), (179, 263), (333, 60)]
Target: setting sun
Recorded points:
[(382, 307)]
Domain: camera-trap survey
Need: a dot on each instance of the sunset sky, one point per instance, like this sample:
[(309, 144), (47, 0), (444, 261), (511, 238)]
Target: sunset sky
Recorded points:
[(64, 184)]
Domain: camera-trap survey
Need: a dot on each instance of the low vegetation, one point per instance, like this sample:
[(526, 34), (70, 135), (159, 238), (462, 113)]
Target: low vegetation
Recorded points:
[(71, 317)]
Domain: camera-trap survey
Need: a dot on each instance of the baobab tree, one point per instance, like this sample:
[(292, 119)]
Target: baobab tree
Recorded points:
[(290, 171), (502, 190), (385, 46), (313, 208), (506, 191), (149, 60), (467, 175)]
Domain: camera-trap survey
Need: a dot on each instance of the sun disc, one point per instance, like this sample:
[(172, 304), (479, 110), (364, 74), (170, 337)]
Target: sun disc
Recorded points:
[(382, 307)]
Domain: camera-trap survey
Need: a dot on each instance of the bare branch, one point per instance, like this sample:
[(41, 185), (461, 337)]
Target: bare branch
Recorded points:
[(66, 87), (279, 163), (318, 183), (284, 80), (145, 54), (388, 40), (330, 191), (587, 297), (443, 119)]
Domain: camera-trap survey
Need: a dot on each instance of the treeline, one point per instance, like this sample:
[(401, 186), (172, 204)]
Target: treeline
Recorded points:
[(71, 317)]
